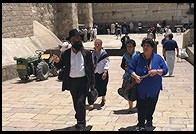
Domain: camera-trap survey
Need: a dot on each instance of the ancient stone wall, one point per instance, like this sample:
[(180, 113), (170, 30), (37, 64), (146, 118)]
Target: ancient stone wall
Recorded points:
[(145, 12), (17, 20), (45, 14), (85, 14)]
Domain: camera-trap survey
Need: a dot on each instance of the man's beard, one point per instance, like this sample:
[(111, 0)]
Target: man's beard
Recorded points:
[(77, 45)]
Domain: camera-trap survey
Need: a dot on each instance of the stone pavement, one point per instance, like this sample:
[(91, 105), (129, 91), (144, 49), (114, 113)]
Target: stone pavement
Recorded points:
[(42, 106)]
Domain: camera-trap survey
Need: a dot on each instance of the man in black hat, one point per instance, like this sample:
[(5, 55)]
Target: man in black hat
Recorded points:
[(78, 77)]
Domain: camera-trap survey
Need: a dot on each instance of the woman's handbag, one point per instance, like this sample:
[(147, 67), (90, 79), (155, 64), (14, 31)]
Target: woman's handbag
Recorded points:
[(128, 90), (92, 96)]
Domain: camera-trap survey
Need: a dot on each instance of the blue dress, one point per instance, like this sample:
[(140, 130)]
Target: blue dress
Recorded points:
[(149, 86)]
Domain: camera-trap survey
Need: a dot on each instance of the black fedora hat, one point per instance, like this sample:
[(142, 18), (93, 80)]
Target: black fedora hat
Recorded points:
[(73, 32)]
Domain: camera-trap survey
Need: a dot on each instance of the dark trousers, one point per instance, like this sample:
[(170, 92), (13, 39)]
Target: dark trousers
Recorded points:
[(100, 84), (78, 90), (146, 108)]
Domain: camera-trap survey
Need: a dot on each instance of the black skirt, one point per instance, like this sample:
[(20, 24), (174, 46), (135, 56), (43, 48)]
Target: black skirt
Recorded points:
[(101, 85)]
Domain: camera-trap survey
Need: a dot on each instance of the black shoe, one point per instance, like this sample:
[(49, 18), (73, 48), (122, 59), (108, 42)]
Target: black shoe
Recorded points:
[(133, 110), (149, 124), (80, 127), (77, 126), (140, 128)]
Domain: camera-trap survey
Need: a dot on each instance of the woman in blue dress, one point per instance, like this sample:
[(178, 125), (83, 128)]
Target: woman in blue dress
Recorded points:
[(147, 68)]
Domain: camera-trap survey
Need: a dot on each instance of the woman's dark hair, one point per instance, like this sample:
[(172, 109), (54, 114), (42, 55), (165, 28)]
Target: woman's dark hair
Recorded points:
[(131, 41), (148, 41)]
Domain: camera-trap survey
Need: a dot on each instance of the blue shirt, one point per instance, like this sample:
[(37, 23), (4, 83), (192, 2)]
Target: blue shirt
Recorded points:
[(170, 45), (151, 85), (128, 58), (163, 40)]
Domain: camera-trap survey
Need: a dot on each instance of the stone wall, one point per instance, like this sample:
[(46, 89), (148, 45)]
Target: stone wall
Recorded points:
[(146, 12), (85, 15), (17, 20)]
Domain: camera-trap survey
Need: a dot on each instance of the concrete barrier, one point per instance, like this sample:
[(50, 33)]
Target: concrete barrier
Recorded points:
[(188, 37), (190, 52)]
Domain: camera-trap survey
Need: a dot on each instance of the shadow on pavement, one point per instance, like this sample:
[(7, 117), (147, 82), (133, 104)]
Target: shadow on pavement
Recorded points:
[(123, 111), (132, 128), (72, 128), (24, 81)]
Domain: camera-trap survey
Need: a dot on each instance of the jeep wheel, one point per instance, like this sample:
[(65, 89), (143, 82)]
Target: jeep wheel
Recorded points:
[(42, 71)]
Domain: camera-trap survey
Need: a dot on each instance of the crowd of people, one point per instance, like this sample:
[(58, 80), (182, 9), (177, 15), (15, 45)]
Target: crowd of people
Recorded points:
[(85, 69), (88, 34)]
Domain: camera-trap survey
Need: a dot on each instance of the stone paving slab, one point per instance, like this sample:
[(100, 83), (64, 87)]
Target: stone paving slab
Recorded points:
[(42, 106)]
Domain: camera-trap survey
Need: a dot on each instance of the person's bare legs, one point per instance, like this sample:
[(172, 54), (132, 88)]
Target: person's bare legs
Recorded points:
[(103, 101), (131, 108), (130, 104)]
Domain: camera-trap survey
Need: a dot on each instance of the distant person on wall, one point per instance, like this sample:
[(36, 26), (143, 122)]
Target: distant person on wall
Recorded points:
[(118, 30), (149, 34), (164, 24), (154, 33), (168, 30), (158, 27), (94, 32), (131, 26), (112, 28), (124, 28), (139, 26)]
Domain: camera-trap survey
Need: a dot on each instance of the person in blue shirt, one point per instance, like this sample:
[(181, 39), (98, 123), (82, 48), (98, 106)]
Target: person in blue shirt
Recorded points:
[(127, 57), (170, 48), (147, 68)]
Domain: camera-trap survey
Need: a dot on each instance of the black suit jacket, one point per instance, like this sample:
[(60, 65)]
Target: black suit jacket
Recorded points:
[(65, 63)]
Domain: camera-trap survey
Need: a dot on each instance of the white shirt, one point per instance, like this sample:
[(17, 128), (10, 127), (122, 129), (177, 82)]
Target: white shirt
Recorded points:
[(168, 31), (77, 65), (102, 65), (158, 25), (150, 35), (95, 31)]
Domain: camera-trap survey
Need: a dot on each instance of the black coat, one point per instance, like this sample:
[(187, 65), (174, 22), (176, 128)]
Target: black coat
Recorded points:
[(123, 41), (65, 63)]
